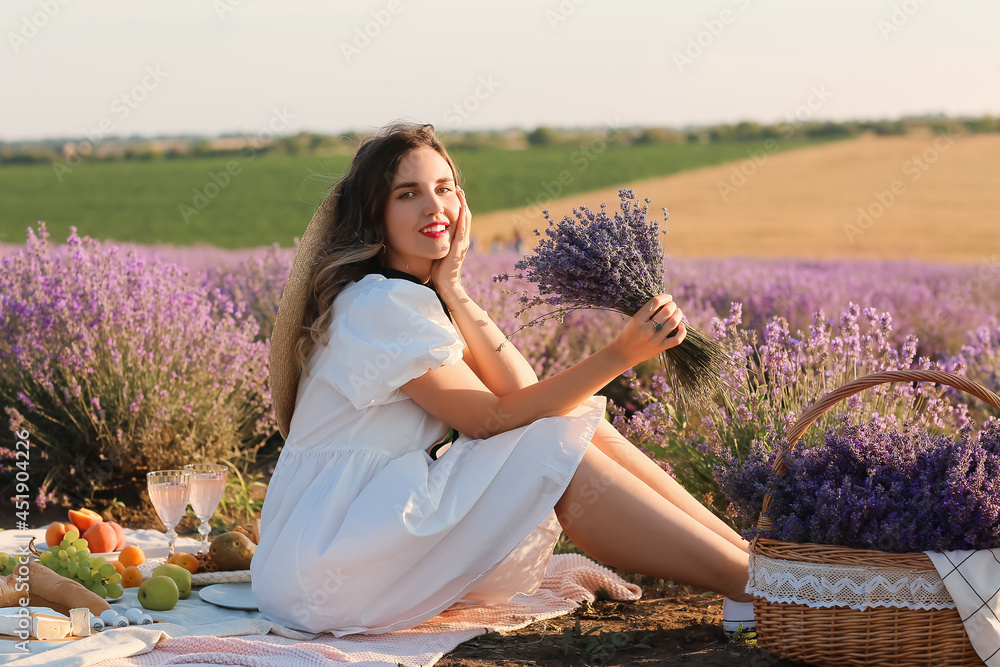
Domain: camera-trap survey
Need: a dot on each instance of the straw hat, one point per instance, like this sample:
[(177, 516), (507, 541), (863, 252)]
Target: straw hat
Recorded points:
[(283, 367)]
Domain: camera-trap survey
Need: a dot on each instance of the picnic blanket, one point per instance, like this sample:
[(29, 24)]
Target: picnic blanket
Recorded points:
[(198, 633), (973, 581)]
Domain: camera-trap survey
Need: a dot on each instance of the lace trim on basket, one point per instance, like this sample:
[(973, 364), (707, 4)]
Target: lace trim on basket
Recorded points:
[(857, 587)]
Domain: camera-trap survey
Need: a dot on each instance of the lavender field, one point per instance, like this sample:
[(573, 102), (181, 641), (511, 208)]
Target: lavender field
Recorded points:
[(120, 358)]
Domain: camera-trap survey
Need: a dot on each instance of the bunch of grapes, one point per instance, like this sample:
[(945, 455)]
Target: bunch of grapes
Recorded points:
[(71, 558), (7, 564)]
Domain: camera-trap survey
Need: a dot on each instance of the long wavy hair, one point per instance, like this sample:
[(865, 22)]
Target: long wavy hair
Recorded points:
[(356, 246)]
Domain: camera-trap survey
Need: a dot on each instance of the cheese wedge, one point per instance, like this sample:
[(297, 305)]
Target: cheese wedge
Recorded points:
[(34, 622), (80, 620)]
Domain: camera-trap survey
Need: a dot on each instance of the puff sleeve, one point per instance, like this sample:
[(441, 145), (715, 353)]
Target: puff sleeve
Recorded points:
[(388, 333)]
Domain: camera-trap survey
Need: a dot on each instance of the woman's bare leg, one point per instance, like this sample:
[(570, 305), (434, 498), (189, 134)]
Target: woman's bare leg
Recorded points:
[(627, 455), (615, 517)]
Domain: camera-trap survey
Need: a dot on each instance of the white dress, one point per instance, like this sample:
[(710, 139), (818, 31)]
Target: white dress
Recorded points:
[(361, 530)]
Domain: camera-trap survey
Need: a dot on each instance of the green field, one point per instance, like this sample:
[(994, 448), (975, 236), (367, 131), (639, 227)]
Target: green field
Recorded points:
[(272, 197)]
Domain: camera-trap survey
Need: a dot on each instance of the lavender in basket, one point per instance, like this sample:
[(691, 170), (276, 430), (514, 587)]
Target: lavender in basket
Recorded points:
[(597, 261), (872, 487)]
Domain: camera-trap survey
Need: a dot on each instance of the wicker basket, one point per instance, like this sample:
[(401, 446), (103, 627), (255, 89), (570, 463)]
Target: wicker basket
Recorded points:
[(845, 636)]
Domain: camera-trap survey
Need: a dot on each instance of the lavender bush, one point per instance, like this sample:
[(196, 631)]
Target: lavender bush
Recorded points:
[(979, 360), (597, 261), (115, 364), (772, 381), (871, 487), (937, 303), (252, 285)]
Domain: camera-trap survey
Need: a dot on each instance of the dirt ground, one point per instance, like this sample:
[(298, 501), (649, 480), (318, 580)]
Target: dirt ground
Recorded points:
[(670, 625)]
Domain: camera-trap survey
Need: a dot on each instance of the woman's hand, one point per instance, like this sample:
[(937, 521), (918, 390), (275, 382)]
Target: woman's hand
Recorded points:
[(446, 273), (651, 330)]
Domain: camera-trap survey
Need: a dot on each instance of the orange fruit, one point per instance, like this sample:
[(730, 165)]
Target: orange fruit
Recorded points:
[(174, 557), (131, 555), (118, 566), (187, 561), (131, 577)]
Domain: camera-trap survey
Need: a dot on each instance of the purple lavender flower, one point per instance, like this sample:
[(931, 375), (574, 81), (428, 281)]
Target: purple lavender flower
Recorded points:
[(117, 363), (867, 487), (613, 263)]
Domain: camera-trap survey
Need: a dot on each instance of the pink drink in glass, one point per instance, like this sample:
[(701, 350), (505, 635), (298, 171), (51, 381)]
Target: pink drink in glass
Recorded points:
[(206, 492), (208, 485), (170, 501), (168, 491)]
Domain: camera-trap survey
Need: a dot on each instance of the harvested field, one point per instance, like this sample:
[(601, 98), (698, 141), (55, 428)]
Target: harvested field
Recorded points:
[(929, 197)]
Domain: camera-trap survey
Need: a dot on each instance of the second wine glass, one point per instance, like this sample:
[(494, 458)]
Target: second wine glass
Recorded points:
[(208, 485)]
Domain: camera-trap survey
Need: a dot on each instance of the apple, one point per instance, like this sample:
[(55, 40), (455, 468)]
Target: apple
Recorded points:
[(158, 593), (180, 576), (84, 519)]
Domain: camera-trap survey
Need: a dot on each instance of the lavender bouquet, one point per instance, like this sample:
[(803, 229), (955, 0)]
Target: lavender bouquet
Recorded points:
[(872, 487), (597, 261)]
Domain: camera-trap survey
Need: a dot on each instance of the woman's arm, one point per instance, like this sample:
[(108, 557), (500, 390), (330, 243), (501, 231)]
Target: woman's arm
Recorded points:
[(455, 394), (501, 371)]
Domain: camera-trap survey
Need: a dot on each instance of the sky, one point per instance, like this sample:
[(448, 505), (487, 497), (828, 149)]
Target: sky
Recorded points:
[(96, 68)]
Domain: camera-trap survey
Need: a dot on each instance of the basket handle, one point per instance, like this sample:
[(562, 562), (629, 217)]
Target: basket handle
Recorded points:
[(813, 412)]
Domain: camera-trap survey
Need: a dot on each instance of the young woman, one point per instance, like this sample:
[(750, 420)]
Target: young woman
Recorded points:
[(377, 354)]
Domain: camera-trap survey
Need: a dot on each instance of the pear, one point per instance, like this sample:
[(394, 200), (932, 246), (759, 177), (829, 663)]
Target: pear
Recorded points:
[(232, 551)]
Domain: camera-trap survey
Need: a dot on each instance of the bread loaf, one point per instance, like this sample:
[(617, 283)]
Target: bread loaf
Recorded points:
[(45, 588)]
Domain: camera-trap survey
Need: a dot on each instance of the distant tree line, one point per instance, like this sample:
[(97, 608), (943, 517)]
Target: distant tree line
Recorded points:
[(312, 143)]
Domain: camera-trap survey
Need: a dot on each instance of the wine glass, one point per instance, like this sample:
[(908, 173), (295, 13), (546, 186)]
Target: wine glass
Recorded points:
[(169, 491), (208, 484)]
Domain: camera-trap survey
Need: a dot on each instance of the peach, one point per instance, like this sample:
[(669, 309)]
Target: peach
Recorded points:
[(120, 532), (84, 519), (119, 568), (54, 533), (131, 577), (187, 561), (101, 538), (131, 556)]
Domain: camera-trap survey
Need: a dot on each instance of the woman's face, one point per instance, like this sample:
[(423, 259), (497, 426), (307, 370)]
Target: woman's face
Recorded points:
[(421, 213)]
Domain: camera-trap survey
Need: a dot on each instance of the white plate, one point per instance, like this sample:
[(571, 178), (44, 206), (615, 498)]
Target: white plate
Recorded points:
[(150, 552), (232, 596)]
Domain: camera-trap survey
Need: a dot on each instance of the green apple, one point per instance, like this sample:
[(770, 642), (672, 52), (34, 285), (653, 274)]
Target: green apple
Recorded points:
[(180, 576), (158, 593)]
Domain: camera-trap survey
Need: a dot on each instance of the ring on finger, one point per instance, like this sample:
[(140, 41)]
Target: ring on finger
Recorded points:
[(657, 325)]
